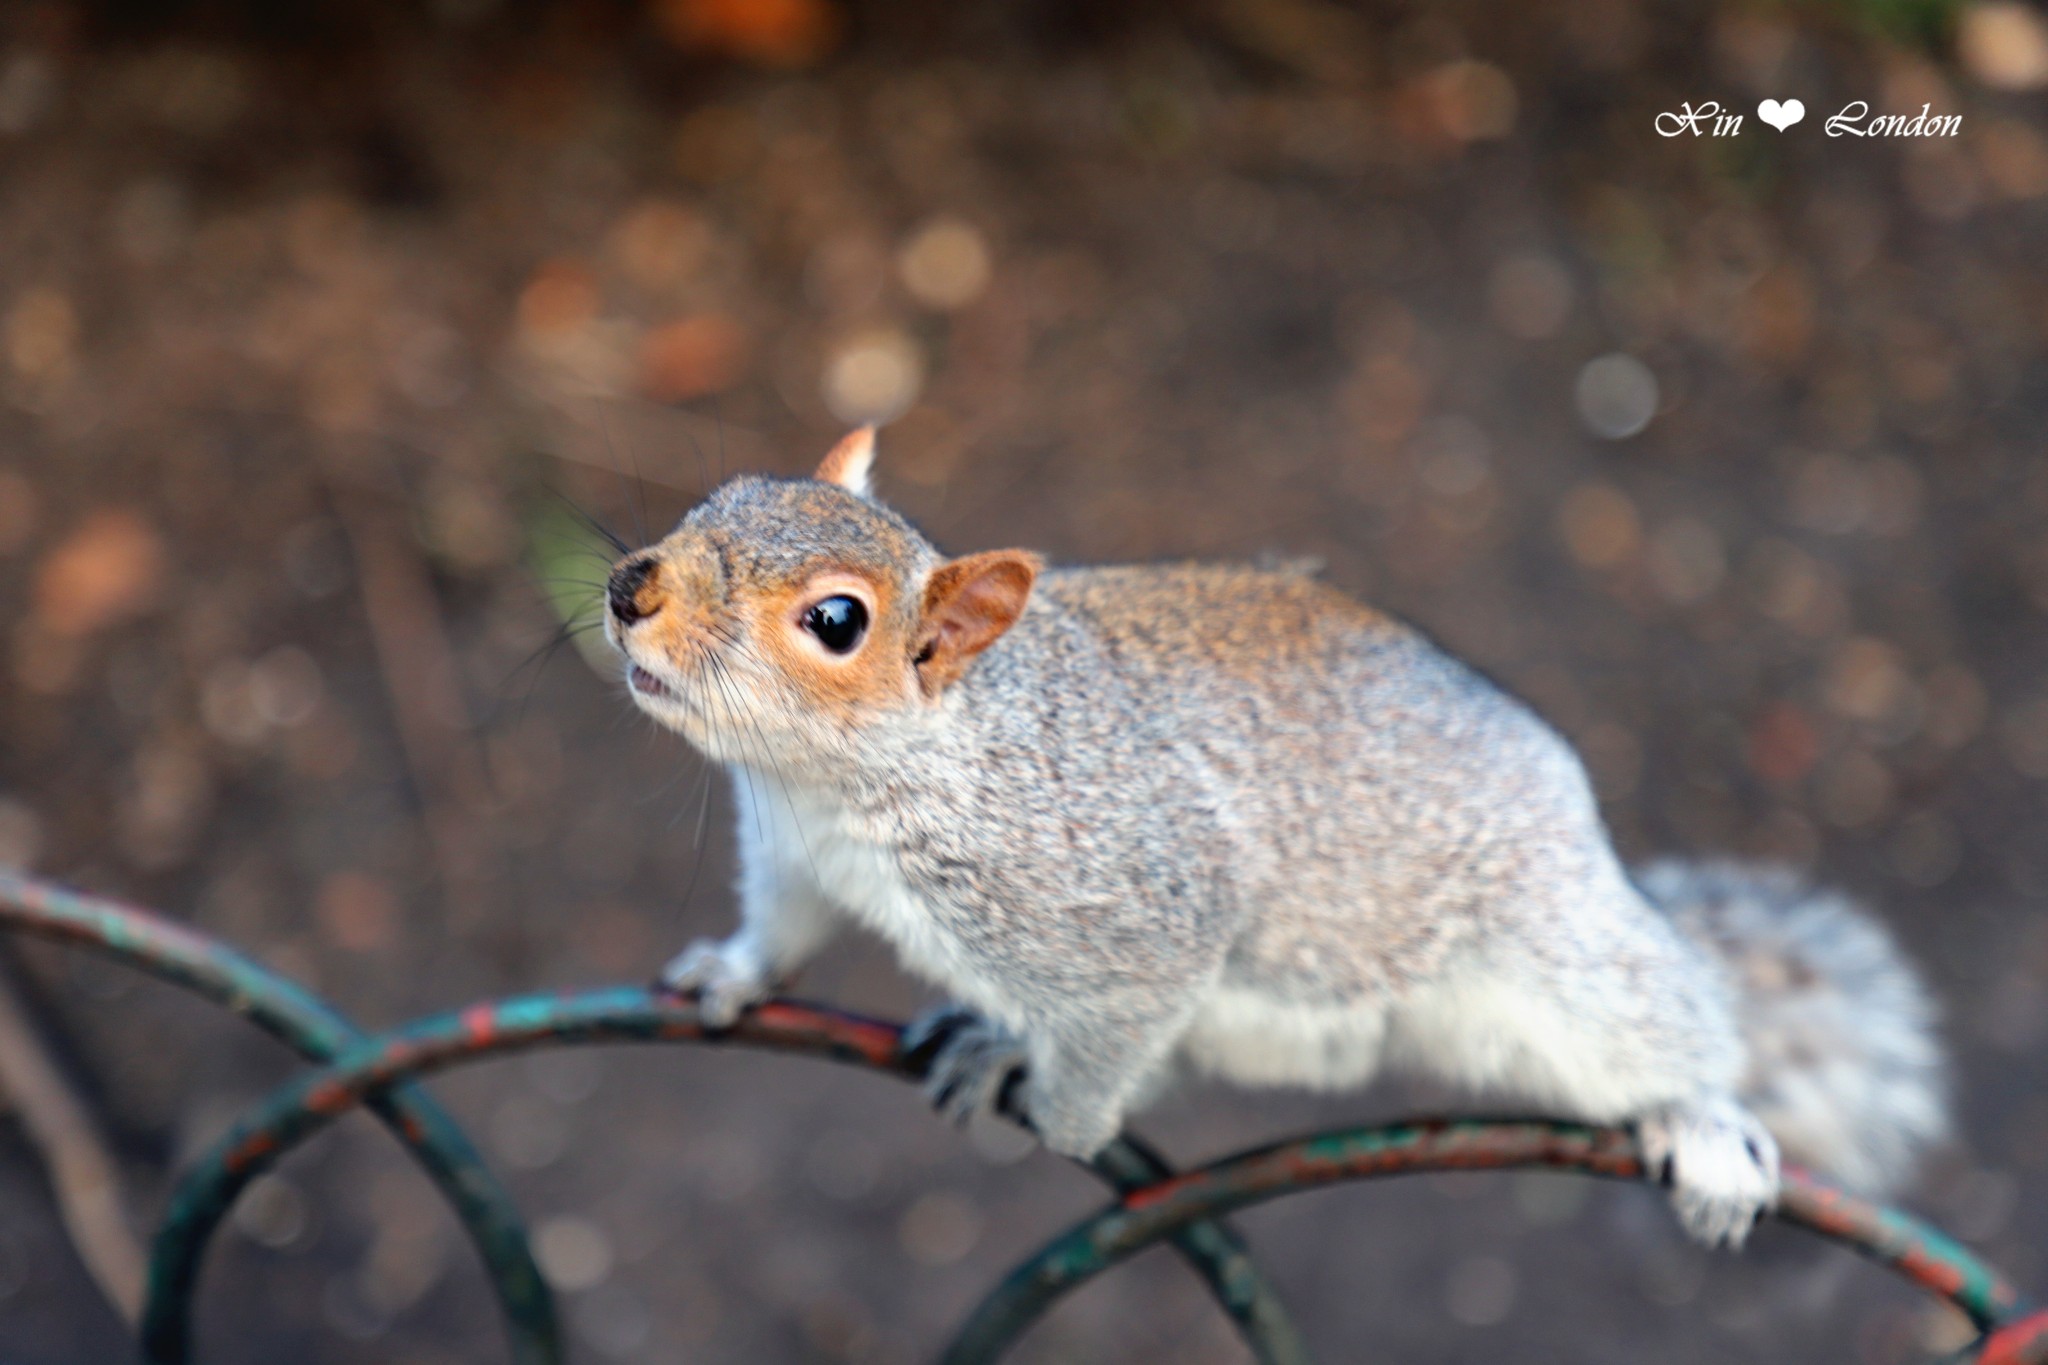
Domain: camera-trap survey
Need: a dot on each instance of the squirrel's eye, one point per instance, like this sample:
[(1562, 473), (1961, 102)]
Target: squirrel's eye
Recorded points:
[(838, 622)]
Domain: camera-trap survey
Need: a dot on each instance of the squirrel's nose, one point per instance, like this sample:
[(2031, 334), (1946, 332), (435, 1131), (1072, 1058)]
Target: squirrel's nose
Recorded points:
[(624, 590)]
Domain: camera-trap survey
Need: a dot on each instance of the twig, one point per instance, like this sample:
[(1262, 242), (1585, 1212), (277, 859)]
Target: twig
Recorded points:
[(423, 682), (82, 1172)]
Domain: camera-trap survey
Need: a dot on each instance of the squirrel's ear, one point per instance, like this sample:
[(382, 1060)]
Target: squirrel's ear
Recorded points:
[(848, 463), (968, 604)]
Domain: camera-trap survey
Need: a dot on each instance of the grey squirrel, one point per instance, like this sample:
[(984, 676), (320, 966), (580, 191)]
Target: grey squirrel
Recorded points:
[(1136, 819)]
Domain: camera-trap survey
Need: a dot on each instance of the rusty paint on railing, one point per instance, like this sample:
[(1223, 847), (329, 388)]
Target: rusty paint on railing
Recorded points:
[(1903, 1244), (2023, 1341), (1153, 1203), (611, 1015)]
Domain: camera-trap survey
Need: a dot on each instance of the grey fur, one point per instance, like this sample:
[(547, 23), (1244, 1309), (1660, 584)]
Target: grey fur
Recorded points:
[(1233, 819)]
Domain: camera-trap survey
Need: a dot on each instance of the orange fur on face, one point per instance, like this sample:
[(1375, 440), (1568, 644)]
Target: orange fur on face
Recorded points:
[(677, 600), (871, 678), (723, 616)]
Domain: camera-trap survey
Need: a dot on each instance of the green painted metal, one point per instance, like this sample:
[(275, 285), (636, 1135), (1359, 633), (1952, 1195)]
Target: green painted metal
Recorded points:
[(1144, 1216), (610, 1015), (318, 1032), (1153, 1203)]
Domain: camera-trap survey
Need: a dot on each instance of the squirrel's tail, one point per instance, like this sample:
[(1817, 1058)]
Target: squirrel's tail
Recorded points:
[(1844, 1066)]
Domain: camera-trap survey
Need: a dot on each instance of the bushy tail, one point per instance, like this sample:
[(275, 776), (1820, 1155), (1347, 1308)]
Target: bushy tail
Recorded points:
[(1844, 1066)]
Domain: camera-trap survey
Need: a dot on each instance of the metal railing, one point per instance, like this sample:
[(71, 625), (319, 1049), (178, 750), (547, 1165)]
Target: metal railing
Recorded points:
[(1152, 1203)]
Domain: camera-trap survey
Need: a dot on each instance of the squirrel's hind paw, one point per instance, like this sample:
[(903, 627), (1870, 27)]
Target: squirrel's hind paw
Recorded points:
[(1722, 1165), (971, 1066), (726, 976)]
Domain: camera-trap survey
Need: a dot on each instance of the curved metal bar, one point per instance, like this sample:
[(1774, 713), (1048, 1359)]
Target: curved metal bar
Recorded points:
[(1154, 1203), (616, 1014), (1142, 1217), (1218, 1254), (2023, 1341), (317, 1031), (1926, 1256)]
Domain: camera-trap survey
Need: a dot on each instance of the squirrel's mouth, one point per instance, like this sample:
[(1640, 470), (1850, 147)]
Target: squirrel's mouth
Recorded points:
[(647, 685)]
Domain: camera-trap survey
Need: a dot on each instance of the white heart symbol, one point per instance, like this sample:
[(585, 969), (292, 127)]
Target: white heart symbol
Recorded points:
[(1781, 116)]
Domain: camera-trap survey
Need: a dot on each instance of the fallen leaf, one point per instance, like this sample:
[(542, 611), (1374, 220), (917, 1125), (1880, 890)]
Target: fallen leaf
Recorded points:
[(777, 33), (106, 571), (692, 357)]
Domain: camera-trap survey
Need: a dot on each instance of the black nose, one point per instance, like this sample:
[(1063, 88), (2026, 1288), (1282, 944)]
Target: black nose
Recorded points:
[(624, 590)]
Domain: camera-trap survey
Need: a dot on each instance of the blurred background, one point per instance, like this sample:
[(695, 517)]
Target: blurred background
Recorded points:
[(319, 322)]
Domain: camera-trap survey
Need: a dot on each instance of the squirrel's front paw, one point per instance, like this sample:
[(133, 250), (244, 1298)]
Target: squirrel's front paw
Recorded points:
[(971, 1066), (726, 976), (1722, 1165)]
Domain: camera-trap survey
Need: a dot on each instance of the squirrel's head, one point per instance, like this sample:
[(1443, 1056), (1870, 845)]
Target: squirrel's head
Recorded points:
[(783, 616)]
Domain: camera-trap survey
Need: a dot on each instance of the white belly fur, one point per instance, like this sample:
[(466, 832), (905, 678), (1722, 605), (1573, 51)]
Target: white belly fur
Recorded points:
[(817, 842), (1251, 1039)]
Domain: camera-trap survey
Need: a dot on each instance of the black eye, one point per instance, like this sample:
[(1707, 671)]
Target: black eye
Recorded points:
[(838, 622)]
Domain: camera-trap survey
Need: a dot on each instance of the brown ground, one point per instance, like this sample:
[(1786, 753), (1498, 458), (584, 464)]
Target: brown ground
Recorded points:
[(301, 320)]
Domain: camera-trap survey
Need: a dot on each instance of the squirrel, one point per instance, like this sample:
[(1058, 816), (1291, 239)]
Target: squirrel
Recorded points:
[(1141, 820)]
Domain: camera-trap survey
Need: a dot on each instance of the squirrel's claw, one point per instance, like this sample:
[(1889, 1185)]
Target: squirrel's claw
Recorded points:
[(931, 1030), (1721, 1163), (971, 1066), (724, 975)]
